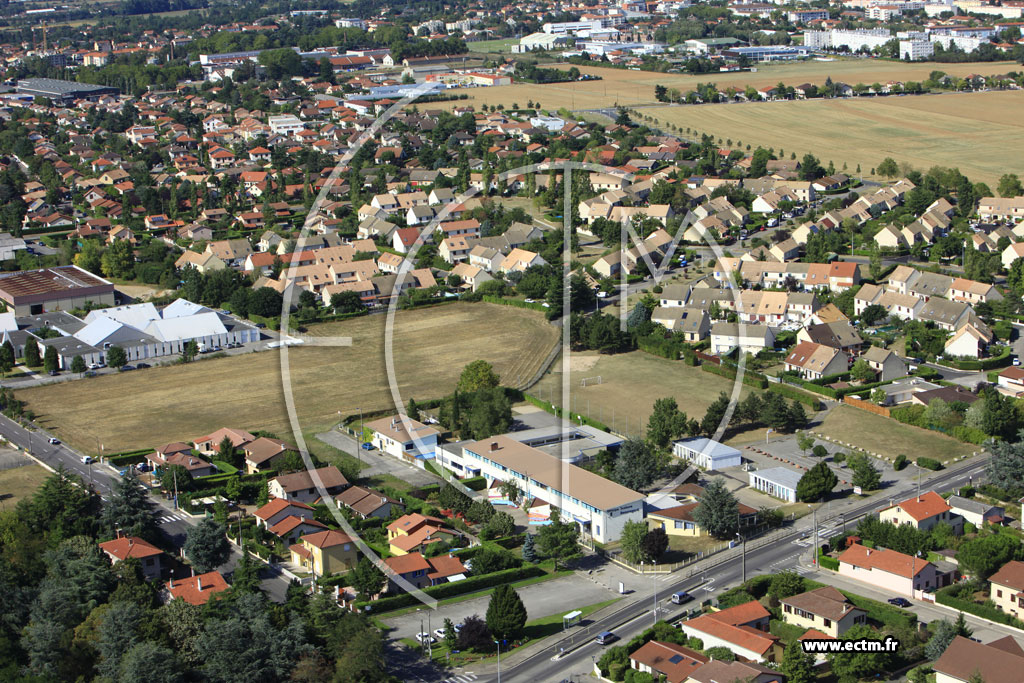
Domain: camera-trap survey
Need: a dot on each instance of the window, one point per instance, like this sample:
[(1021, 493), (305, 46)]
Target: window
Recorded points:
[(787, 609), (826, 622), (999, 593), (678, 525)]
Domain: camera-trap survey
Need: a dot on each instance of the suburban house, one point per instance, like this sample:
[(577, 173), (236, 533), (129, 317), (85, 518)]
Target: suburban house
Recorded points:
[(413, 532), (678, 520), (1006, 588), (367, 502), (262, 453), (1011, 380), (675, 662), (148, 555), (749, 338), (197, 590), (814, 361), (824, 609), (887, 569), (325, 552), (303, 486), (922, 512), (178, 453), (706, 453), (422, 571), (209, 445), (717, 671), (743, 629), (886, 364), (403, 437), (779, 482), (291, 529), (1000, 661), (976, 512), (969, 341), (279, 509)]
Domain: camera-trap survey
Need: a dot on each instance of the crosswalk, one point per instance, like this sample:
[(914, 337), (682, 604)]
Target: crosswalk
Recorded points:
[(170, 517), (467, 677)]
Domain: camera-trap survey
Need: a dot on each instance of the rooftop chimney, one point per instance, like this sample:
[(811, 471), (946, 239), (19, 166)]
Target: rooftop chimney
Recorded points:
[(131, 542), (170, 584), (494, 446), (199, 582)]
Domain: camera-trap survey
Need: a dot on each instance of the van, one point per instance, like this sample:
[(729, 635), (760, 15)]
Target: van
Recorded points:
[(605, 637), (681, 597)]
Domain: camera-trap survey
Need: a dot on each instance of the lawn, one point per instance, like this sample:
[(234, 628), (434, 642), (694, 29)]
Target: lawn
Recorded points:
[(168, 403), (500, 45), (630, 383), (20, 482), (975, 132), (878, 434)]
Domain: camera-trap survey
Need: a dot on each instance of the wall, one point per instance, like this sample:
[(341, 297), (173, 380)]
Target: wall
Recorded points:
[(867, 405)]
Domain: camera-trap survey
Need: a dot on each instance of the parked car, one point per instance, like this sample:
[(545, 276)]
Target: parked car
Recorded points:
[(95, 366), (1016, 360), (87, 460), (141, 366), (424, 638), (900, 602), (55, 441), (439, 633), (605, 637), (602, 295), (367, 446), (126, 368), (681, 597)]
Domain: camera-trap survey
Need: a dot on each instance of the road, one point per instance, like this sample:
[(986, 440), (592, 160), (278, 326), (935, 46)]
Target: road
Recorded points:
[(720, 572), (174, 524)]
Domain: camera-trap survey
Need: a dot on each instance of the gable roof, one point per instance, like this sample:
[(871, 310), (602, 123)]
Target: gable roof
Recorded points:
[(732, 626), (1000, 661), (826, 602), (329, 476), (676, 662), (277, 505), (884, 560), (1010, 575), (129, 546), (927, 505)]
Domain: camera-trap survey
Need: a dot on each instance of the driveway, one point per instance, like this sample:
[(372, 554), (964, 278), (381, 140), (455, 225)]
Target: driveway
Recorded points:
[(380, 463)]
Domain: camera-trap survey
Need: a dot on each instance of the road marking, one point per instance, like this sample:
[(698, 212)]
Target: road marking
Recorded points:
[(709, 586)]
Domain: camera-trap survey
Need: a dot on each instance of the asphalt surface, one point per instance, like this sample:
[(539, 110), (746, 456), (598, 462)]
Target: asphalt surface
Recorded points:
[(173, 524)]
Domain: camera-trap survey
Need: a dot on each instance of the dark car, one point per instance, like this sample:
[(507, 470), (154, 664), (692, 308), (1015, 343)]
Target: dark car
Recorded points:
[(126, 368), (367, 446), (142, 366), (90, 373), (53, 373), (900, 602)]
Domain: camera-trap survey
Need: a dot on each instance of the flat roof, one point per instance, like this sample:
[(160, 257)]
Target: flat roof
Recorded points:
[(571, 481), (48, 284), (61, 88)]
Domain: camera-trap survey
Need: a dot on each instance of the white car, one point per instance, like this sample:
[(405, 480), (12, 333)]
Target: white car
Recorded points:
[(439, 632), (424, 638), (55, 441), (87, 460), (602, 295)]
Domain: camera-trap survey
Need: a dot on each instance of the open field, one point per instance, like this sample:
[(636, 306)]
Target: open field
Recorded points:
[(20, 482), (631, 382), (162, 404), (980, 133), (882, 435), (630, 88), (500, 45)]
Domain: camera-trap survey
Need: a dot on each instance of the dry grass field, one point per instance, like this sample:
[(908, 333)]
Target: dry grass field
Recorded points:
[(20, 482), (163, 404), (980, 133), (878, 434), (630, 88), (630, 383)]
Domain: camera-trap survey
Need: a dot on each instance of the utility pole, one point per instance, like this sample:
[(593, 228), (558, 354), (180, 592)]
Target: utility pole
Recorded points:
[(814, 537), (743, 555), (498, 643), (174, 475)]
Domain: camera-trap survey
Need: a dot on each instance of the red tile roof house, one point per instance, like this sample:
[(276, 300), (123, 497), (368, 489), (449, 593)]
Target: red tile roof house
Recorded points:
[(923, 512), (210, 444), (426, 571), (197, 590), (1006, 588), (123, 547), (278, 509), (889, 570), (367, 502), (675, 662), (304, 486), (292, 528), (1000, 661), (742, 629), (180, 454), (262, 453)]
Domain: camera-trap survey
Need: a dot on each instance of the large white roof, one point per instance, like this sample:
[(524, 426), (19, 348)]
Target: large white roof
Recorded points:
[(136, 315), (187, 327), (8, 322), (99, 329), (181, 308)]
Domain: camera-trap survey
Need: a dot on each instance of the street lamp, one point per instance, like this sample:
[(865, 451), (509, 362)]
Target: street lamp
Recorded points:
[(743, 555), (498, 643)]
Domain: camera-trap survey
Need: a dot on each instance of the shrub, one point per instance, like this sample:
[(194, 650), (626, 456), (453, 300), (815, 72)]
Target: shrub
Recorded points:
[(950, 596), (929, 463), (796, 394), (828, 562), (900, 462), (447, 590)]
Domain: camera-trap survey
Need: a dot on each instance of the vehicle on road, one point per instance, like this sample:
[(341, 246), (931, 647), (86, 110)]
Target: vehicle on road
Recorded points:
[(88, 460), (681, 597), (367, 446), (54, 440), (605, 637), (900, 602), (1016, 360)]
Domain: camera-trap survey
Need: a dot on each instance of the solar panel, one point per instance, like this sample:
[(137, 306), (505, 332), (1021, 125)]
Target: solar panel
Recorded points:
[(675, 659)]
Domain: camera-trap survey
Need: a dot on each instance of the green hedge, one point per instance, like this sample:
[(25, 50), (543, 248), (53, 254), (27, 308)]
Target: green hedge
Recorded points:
[(448, 590), (750, 378), (828, 562), (795, 394), (929, 463), (1002, 360), (948, 597), (475, 483), (657, 345), (517, 303), (129, 457), (881, 612)]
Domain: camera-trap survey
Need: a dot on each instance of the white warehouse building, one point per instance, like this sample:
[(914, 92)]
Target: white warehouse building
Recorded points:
[(707, 454)]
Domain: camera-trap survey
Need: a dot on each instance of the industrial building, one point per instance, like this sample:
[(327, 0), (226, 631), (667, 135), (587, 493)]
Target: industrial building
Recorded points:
[(62, 288), (63, 91)]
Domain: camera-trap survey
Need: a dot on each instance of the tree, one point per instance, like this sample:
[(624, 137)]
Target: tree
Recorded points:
[(189, 351), (819, 451), (206, 546), (804, 441), (226, 451), (816, 483), (797, 665), (128, 508), (872, 314), (500, 525), (1006, 467), (118, 260), (632, 542), (529, 549), (32, 358), (1010, 186), (655, 544), (857, 665), (50, 361), (367, 579), (636, 467), (176, 477), (865, 474), (666, 422), (862, 372), (78, 365), (942, 636), (888, 168), (983, 555), (786, 584), (116, 357), (412, 410), (718, 512), (474, 635), (7, 357), (118, 632), (151, 662), (346, 302), (506, 614), (477, 375), (557, 540), (451, 637)]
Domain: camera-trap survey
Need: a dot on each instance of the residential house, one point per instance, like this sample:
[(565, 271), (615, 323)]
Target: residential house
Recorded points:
[(368, 503), (965, 660), (824, 609), (413, 532), (1006, 588), (814, 361), (291, 529), (209, 445), (719, 671), (403, 437), (743, 629), (886, 364), (923, 512), (149, 556), (325, 553), (279, 509), (305, 486), (968, 342), (472, 276), (694, 323), (889, 570), (519, 260), (1011, 380), (976, 512), (675, 662), (197, 590), (262, 453), (678, 520), (838, 335), (749, 338), (178, 453), (422, 571)]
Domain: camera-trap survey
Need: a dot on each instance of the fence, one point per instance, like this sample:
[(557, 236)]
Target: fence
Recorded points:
[(708, 357), (867, 405)]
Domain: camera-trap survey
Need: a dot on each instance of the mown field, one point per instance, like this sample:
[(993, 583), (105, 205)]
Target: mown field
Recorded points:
[(20, 482), (630, 88), (980, 133), (179, 402), (878, 434)]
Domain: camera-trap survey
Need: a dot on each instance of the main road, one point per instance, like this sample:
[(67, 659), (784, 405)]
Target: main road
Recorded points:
[(174, 524)]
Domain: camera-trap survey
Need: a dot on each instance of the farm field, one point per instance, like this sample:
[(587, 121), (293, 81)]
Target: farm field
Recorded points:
[(878, 434), (630, 383), (630, 88), (178, 402), (980, 133)]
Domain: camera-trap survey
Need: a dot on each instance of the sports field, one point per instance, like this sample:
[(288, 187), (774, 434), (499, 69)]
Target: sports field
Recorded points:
[(162, 404), (980, 133), (877, 434), (630, 88)]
